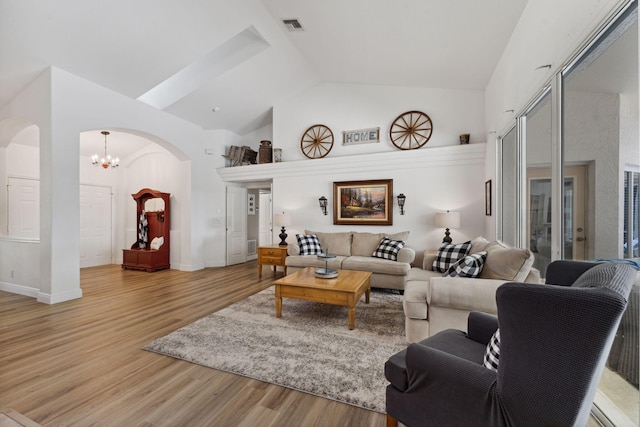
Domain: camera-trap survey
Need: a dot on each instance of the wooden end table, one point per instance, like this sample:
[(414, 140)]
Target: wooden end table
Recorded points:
[(345, 290), (275, 255)]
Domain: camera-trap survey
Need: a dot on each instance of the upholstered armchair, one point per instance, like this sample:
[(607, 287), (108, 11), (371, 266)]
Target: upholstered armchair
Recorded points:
[(554, 341)]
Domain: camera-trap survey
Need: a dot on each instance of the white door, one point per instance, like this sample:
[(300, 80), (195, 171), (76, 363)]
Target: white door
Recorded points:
[(95, 225), (236, 225), (266, 235), (23, 200)]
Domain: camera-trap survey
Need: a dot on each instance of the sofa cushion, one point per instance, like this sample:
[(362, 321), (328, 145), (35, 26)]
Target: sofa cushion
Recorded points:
[(506, 263), (469, 266), (388, 249), (376, 265), (449, 254), (492, 353), (301, 261), (478, 244), (335, 243), (309, 244), (363, 244)]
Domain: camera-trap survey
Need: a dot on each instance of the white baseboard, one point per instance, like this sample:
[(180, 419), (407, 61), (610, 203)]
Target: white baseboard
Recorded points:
[(19, 289)]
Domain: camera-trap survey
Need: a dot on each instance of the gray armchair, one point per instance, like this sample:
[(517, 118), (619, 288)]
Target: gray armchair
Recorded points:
[(554, 341)]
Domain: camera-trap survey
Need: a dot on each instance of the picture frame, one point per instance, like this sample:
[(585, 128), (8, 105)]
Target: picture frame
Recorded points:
[(363, 202), (487, 198), (251, 204)]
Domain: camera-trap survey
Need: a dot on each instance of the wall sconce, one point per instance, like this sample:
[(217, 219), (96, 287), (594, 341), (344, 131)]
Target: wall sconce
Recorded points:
[(282, 220), (401, 200), (323, 204), (447, 220)]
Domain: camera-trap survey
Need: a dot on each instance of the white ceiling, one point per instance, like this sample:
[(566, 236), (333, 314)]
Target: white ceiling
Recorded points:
[(133, 47), (190, 56)]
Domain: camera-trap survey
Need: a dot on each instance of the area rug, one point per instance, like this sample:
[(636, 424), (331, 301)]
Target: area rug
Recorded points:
[(310, 348)]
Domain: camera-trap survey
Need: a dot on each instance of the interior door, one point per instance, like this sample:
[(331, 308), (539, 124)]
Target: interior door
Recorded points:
[(95, 225), (236, 225), (23, 208), (539, 214), (266, 235)]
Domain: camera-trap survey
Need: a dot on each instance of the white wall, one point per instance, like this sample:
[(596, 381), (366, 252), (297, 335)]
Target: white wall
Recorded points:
[(433, 179), (344, 107), (548, 32), (76, 105)]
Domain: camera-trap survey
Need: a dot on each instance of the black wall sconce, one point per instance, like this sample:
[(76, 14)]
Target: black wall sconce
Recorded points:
[(323, 204), (401, 199)]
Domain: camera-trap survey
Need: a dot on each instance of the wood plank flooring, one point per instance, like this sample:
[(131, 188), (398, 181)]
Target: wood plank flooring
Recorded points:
[(81, 363)]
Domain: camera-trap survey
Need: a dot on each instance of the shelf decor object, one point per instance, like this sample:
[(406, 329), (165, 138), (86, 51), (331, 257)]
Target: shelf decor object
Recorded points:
[(411, 130), (317, 141)]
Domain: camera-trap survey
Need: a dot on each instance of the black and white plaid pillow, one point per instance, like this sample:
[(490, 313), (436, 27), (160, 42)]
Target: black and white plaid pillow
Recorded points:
[(309, 244), (469, 266), (448, 254), (388, 249), (492, 353)]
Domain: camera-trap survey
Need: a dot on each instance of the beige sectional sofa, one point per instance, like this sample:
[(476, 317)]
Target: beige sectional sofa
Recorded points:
[(433, 303), (354, 251)]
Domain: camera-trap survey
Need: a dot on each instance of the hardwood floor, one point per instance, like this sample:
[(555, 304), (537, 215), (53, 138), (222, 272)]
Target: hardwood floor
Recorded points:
[(81, 362)]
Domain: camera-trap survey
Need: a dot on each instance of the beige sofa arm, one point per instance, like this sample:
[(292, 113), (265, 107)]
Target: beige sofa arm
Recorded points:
[(293, 249), (427, 261), (464, 293), (407, 255)]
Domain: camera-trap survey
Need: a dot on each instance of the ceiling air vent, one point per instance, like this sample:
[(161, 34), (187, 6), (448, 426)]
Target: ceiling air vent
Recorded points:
[(292, 24)]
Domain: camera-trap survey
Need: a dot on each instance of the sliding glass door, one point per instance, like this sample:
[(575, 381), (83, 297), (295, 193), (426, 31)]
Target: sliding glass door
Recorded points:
[(574, 187)]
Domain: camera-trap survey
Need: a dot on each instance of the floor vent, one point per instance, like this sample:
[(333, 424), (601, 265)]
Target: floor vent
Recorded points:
[(251, 247), (292, 24)]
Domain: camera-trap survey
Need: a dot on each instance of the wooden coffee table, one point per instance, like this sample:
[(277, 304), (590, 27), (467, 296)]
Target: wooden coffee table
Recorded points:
[(345, 290)]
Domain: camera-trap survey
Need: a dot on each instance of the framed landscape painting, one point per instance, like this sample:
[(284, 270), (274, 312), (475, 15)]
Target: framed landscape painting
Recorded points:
[(363, 202)]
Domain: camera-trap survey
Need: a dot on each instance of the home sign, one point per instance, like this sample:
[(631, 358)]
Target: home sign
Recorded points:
[(361, 136)]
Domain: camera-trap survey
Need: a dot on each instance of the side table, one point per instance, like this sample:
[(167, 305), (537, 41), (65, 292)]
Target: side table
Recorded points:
[(275, 255)]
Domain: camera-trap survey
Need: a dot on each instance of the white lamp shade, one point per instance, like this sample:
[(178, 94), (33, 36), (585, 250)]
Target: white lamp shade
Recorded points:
[(448, 219), (282, 220)]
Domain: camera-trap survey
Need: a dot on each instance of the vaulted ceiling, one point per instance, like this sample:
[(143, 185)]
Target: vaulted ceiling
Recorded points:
[(191, 57)]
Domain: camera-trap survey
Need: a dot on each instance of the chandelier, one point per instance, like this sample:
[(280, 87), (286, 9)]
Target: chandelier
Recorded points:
[(107, 160)]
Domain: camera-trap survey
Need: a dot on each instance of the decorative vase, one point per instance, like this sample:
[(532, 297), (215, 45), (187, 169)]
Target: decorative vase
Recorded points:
[(265, 152)]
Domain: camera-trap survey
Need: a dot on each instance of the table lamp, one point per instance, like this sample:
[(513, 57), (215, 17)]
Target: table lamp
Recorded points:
[(282, 220), (447, 220)]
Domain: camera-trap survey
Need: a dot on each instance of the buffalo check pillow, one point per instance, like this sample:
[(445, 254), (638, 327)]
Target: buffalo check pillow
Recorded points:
[(469, 266), (449, 254), (309, 244), (388, 249), (492, 353)]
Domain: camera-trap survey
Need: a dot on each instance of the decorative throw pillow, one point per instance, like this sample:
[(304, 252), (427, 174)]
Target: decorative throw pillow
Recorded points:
[(448, 254), (309, 244), (469, 266), (388, 249), (492, 353)]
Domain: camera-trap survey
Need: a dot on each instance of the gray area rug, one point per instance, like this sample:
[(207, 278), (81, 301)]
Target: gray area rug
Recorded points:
[(310, 348)]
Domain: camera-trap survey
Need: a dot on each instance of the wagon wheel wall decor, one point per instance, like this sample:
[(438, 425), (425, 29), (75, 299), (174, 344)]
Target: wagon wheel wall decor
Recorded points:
[(411, 130), (316, 141)]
